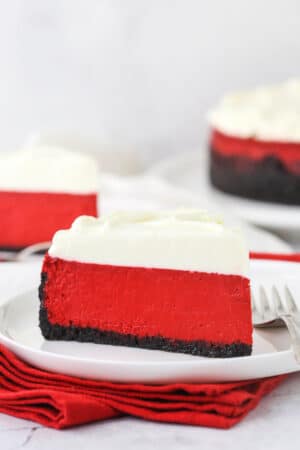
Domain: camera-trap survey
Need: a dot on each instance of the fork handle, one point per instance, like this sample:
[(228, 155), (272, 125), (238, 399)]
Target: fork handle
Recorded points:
[(293, 324)]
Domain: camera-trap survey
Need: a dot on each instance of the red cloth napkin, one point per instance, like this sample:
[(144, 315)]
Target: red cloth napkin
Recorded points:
[(61, 401)]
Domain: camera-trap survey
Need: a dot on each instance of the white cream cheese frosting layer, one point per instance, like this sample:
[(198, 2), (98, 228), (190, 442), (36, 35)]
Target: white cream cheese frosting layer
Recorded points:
[(270, 113), (183, 239), (48, 169)]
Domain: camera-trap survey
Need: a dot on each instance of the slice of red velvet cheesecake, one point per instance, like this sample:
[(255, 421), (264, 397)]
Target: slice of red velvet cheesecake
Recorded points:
[(42, 190), (173, 281)]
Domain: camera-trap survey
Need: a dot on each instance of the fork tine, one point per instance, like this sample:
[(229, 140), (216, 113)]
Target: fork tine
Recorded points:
[(276, 299), (255, 296), (290, 301), (263, 304), (255, 314)]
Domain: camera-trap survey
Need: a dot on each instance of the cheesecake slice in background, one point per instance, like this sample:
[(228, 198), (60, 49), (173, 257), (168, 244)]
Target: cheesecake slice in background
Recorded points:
[(42, 190)]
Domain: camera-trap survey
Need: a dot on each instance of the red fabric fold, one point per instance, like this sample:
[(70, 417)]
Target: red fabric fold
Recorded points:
[(61, 401)]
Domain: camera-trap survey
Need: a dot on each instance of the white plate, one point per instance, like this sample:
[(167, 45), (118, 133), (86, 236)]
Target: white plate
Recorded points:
[(19, 331), (190, 171)]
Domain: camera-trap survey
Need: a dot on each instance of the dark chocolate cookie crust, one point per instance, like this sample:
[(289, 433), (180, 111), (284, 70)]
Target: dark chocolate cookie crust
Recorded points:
[(266, 180), (87, 334)]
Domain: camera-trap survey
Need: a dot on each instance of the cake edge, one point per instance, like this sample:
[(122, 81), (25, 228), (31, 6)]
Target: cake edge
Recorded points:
[(93, 335)]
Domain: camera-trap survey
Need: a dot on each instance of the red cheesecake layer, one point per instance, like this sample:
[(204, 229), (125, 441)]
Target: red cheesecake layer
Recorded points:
[(286, 152), (31, 217), (103, 303)]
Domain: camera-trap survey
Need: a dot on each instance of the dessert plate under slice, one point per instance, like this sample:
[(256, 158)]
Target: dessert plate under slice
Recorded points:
[(19, 332), (189, 173)]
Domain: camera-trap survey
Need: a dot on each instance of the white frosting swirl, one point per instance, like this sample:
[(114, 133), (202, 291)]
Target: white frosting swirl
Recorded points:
[(185, 239), (48, 169), (270, 113)]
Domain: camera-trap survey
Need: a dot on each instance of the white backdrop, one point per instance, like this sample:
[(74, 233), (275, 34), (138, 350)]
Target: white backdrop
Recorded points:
[(136, 72)]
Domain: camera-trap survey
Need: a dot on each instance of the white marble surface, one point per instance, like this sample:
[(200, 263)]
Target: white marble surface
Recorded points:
[(273, 424)]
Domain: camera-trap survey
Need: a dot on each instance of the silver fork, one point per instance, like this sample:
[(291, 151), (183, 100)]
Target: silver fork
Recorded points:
[(275, 306)]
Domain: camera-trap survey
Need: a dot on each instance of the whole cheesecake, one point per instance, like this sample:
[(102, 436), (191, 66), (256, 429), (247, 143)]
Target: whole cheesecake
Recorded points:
[(42, 190), (255, 143), (174, 281)]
